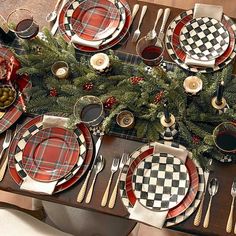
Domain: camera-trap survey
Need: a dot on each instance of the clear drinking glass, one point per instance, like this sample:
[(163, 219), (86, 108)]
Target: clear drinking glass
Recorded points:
[(150, 50), (22, 23), (89, 110)]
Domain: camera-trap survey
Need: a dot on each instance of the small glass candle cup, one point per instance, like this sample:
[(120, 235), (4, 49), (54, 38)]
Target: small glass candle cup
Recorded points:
[(150, 50), (100, 62), (224, 136), (89, 110), (192, 85), (125, 119), (60, 69), (22, 23)]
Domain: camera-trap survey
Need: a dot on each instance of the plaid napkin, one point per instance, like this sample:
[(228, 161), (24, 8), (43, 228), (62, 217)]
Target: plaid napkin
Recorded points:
[(93, 44), (204, 10), (143, 214), (32, 185)]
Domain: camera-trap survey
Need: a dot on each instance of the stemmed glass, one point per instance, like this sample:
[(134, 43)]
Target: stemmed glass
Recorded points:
[(22, 23)]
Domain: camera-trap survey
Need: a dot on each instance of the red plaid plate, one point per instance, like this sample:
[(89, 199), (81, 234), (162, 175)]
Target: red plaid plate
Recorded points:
[(15, 111), (95, 20), (112, 40), (143, 153), (181, 54), (50, 154), (66, 182)]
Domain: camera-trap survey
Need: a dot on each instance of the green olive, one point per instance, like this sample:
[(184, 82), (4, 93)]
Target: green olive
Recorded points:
[(11, 93), (6, 89), (1, 92), (5, 93), (3, 98), (7, 103), (1, 104), (10, 99)]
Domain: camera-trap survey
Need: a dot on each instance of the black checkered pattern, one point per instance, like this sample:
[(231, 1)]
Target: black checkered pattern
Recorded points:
[(204, 38), (160, 181)]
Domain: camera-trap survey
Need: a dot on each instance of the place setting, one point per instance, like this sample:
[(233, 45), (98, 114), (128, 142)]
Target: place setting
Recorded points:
[(201, 39), (93, 26)]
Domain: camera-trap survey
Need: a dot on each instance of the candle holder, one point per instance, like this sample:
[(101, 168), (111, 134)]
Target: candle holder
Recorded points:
[(125, 119), (192, 85), (100, 62), (60, 69), (170, 128), (222, 107)]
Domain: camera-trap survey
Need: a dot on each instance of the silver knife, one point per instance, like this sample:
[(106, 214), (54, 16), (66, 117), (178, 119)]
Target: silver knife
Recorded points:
[(198, 216), (56, 24), (165, 18)]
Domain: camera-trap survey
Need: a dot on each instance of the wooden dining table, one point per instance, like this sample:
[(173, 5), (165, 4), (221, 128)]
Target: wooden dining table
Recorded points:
[(114, 147)]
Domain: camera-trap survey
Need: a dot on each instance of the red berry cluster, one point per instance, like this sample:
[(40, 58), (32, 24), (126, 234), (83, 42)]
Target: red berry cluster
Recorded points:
[(135, 80), (159, 96), (53, 92), (88, 86), (109, 102), (196, 139)]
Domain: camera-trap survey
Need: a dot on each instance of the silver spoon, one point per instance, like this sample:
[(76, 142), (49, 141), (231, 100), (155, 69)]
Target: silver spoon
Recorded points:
[(53, 14), (212, 189), (152, 34)]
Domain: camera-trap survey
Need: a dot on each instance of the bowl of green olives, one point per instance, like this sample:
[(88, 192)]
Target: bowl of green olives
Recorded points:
[(7, 96)]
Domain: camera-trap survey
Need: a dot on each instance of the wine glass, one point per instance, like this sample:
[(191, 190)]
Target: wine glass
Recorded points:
[(89, 110), (22, 23), (150, 50)]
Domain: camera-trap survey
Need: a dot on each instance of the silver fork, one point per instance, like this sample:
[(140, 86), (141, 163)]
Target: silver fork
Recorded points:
[(114, 168), (229, 225), (137, 32), (6, 143), (112, 201)]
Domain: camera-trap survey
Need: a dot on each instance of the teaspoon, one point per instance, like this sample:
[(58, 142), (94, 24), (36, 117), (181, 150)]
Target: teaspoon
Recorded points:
[(53, 14)]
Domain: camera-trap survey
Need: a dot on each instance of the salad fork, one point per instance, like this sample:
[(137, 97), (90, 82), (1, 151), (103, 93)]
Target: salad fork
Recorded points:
[(114, 168), (230, 218), (124, 159), (6, 143), (137, 32)]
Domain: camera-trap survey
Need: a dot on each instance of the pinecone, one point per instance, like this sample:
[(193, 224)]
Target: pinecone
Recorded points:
[(88, 86), (135, 80), (158, 97), (109, 102), (53, 92)]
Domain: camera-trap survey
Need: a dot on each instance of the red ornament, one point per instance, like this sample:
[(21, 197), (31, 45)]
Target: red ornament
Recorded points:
[(88, 86), (159, 96), (53, 92), (109, 102), (196, 139), (136, 80)]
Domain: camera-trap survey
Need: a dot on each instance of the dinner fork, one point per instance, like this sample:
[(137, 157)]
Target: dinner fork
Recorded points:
[(112, 200), (98, 168), (6, 143), (114, 168), (230, 219), (137, 32)]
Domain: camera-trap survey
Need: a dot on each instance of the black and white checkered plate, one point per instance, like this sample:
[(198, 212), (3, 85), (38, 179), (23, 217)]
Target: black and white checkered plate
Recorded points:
[(160, 181), (204, 38)]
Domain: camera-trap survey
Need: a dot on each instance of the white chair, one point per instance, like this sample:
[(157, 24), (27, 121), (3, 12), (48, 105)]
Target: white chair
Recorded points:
[(18, 221)]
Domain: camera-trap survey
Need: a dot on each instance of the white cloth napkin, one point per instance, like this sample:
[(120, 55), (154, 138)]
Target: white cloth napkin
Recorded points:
[(205, 10), (154, 218), (178, 152), (32, 185), (93, 44)]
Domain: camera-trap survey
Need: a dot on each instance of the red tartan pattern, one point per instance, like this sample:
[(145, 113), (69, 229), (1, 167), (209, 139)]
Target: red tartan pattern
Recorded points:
[(185, 203), (95, 20), (70, 181), (180, 53), (67, 38), (50, 154), (15, 111)]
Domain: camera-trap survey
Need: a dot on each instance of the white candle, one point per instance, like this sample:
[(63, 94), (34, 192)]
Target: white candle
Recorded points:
[(100, 62), (192, 85), (62, 72)]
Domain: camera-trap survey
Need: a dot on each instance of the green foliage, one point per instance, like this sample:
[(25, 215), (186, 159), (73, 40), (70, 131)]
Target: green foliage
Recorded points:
[(195, 115)]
